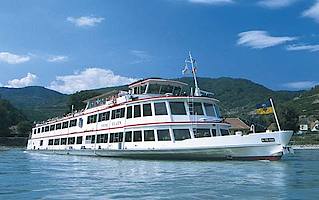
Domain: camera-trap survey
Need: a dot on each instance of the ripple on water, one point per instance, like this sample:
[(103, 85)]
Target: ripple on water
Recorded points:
[(39, 176)]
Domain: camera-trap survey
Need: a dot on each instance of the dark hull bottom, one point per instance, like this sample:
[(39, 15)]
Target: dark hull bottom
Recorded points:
[(180, 156)]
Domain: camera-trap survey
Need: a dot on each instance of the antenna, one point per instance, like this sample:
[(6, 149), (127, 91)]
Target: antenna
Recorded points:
[(192, 61)]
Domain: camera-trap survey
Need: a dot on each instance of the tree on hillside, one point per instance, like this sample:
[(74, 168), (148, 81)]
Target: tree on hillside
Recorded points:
[(77, 99), (288, 118)]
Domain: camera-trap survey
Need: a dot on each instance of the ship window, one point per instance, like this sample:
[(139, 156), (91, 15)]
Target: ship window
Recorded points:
[(160, 108), (142, 89), (147, 110), (65, 124), (63, 141), (88, 139), (58, 126), (79, 140), (224, 132), (118, 113), (166, 89), (214, 132), (177, 108), (73, 122), (91, 119), (217, 111), (149, 135), (102, 138), (34, 131), (46, 129), (93, 139), (42, 130), (51, 142), (200, 132), (116, 137), (163, 135), (71, 140), (128, 136), (197, 108), (209, 108), (52, 127), (56, 141), (181, 134), (137, 136), (41, 142), (154, 89), (104, 116), (177, 91), (129, 112), (39, 130), (137, 110)]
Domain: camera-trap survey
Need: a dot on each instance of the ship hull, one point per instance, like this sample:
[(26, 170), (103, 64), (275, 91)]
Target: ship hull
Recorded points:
[(234, 147)]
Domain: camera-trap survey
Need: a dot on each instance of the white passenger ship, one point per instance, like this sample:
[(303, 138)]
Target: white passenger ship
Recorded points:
[(155, 119)]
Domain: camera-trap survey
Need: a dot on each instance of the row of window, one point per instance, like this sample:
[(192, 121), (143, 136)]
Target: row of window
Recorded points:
[(177, 108), (57, 126), (145, 110), (138, 136)]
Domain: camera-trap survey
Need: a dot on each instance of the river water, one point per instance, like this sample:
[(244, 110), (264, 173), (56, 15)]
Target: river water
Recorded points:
[(38, 176)]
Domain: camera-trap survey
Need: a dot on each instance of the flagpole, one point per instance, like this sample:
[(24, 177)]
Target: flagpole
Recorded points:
[(276, 118)]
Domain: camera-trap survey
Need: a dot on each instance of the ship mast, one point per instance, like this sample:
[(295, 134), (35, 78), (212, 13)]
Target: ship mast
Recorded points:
[(194, 71)]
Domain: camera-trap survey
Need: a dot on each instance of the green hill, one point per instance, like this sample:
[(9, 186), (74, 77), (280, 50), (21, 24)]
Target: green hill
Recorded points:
[(36, 103), (238, 97)]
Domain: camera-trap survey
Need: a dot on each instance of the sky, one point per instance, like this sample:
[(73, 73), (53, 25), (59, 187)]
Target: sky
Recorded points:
[(78, 44)]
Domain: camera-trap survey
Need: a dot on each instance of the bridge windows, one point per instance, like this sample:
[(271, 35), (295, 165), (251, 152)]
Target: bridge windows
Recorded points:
[(214, 132), (177, 108), (47, 129), (209, 108)]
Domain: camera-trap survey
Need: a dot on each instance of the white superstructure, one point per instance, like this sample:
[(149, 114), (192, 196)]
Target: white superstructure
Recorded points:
[(155, 119)]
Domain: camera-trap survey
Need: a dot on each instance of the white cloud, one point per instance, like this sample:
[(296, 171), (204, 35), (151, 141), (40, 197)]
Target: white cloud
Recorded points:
[(85, 21), (301, 85), (274, 4), (141, 56), (23, 82), (90, 78), (212, 2), (11, 58), (261, 39), (57, 59), (312, 12), (311, 48)]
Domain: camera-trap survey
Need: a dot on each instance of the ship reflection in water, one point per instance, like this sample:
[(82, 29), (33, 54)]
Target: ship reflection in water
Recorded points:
[(72, 177)]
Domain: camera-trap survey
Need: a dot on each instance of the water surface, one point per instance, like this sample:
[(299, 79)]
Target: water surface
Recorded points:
[(38, 176)]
